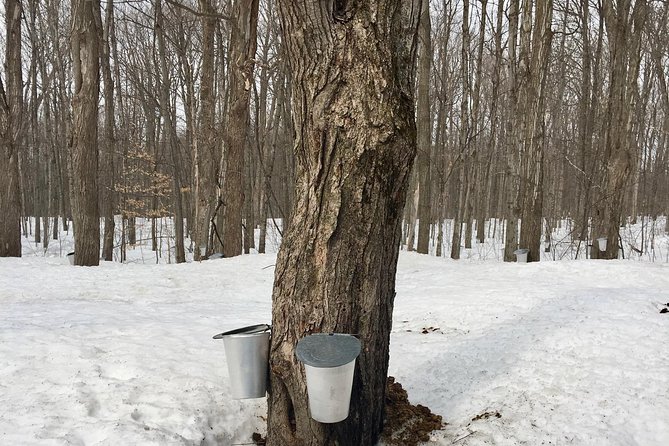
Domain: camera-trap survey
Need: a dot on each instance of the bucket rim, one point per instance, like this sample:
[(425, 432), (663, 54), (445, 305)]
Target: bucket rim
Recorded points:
[(328, 350), (251, 330)]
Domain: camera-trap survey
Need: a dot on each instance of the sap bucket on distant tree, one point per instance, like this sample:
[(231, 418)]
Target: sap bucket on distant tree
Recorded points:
[(521, 255), (602, 243), (247, 354), (70, 257), (329, 364)]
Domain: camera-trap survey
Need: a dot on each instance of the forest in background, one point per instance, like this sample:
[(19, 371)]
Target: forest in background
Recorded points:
[(529, 112)]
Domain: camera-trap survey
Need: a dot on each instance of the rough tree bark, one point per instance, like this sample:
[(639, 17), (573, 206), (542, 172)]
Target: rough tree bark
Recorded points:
[(243, 42), (11, 108), (352, 70), (84, 142)]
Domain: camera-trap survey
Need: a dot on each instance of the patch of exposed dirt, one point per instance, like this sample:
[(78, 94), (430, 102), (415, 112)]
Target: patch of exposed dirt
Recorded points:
[(486, 415), (406, 424), (258, 439)]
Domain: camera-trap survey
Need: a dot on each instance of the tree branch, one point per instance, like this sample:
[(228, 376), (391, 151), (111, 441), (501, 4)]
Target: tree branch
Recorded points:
[(197, 13)]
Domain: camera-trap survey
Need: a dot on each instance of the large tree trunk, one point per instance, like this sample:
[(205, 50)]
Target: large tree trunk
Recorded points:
[(353, 112), (84, 152), (242, 60), (11, 108)]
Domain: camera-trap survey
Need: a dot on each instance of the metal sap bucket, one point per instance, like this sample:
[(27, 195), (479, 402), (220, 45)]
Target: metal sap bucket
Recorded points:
[(70, 257), (521, 255), (247, 354), (329, 364), (602, 243)]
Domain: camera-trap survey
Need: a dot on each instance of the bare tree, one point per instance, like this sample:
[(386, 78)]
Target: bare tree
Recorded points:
[(536, 41), (624, 24), (107, 165), (11, 109), (243, 42), (85, 41), (207, 152), (352, 70), (424, 123), (464, 135), (169, 132)]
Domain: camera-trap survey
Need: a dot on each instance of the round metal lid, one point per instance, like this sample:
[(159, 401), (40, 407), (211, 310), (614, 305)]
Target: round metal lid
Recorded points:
[(324, 350), (245, 331)]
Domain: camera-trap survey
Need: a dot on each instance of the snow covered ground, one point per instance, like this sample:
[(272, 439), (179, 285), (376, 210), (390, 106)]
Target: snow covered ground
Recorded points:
[(566, 353)]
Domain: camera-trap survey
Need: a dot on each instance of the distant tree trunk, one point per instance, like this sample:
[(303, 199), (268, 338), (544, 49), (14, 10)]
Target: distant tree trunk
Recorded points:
[(207, 151), (353, 112), (269, 153), (444, 125), (660, 185), (624, 30), (495, 134), (170, 136), (249, 212), (533, 139), (107, 165), (411, 211), (584, 125), (513, 210), (84, 145), (476, 170), (34, 138), (243, 42), (481, 168), (464, 140), (424, 123), (11, 110)]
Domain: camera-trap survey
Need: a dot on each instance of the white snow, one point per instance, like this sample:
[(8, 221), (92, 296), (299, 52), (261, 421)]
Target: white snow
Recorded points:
[(567, 352)]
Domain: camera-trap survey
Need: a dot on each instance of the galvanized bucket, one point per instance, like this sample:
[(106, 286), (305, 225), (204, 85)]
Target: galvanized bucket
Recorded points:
[(247, 354), (602, 242), (70, 257), (329, 365), (521, 255)]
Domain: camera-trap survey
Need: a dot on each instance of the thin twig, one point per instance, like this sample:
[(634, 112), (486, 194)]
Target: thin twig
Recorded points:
[(462, 438), (198, 14)]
